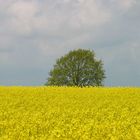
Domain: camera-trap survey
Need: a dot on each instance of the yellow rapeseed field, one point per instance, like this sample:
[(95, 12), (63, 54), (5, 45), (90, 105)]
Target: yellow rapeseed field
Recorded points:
[(69, 113)]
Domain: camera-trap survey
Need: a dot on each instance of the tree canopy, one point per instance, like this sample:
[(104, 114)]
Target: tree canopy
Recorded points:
[(77, 68)]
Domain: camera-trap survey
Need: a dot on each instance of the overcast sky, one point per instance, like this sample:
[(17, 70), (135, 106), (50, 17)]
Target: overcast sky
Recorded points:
[(34, 33)]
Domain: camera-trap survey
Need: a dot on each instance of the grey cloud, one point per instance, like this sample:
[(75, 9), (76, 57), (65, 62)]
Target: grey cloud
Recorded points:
[(35, 33), (27, 16), (6, 50)]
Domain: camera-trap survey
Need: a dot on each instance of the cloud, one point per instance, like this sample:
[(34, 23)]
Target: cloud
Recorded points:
[(121, 63), (35, 33), (88, 13), (22, 16), (126, 4), (28, 16), (25, 17)]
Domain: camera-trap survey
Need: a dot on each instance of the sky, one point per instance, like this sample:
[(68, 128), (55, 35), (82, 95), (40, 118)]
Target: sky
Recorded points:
[(34, 33)]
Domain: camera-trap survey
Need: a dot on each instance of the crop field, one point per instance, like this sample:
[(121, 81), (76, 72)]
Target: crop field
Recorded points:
[(69, 113)]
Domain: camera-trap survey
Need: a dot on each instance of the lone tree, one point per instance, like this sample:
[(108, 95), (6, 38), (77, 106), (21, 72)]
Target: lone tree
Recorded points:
[(77, 68)]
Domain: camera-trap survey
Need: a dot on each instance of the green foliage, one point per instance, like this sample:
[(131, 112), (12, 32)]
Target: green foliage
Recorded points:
[(77, 68)]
